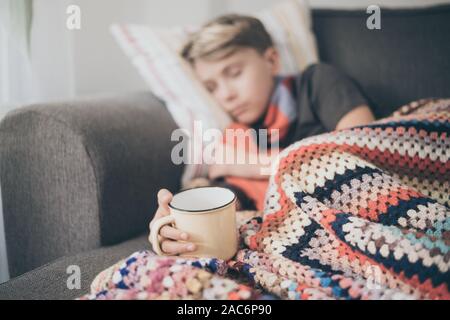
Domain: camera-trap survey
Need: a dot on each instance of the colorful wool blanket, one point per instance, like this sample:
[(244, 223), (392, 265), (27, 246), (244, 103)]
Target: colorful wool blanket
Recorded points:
[(361, 213)]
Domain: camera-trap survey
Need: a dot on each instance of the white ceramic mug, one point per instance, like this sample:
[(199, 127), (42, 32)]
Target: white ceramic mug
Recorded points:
[(208, 215)]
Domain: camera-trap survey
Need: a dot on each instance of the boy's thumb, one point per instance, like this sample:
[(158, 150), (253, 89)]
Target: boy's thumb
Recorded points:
[(164, 197)]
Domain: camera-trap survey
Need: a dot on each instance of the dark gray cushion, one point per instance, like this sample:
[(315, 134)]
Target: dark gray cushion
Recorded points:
[(50, 281), (406, 60), (82, 174)]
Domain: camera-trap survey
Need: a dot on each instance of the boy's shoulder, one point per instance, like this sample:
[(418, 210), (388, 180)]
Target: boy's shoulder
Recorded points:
[(321, 76), (319, 70), (315, 71)]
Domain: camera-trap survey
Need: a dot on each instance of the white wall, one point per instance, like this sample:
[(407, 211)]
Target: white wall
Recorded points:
[(101, 67), (93, 63), (99, 64), (51, 52)]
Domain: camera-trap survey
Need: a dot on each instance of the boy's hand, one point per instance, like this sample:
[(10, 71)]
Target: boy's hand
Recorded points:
[(170, 235)]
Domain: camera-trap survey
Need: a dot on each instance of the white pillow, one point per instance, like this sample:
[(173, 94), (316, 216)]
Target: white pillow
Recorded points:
[(155, 53)]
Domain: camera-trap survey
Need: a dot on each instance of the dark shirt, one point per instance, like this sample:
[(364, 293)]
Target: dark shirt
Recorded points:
[(324, 95)]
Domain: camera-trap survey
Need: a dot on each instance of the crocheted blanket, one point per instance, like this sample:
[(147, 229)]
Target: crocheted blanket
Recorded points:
[(361, 213)]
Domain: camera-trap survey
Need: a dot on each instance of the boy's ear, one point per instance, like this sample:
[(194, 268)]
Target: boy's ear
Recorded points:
[(273, 59)]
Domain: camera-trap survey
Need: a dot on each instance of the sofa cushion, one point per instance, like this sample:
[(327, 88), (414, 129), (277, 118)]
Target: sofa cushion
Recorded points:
[(406, 60), (50, 281), (81, 174)]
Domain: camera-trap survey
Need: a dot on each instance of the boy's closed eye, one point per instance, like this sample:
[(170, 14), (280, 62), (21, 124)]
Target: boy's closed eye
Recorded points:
[(233, 71)]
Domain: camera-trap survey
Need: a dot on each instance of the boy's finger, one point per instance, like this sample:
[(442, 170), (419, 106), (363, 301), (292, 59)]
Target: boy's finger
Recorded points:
[(161, 212), (173, 233), (174, 247), (164, 197)]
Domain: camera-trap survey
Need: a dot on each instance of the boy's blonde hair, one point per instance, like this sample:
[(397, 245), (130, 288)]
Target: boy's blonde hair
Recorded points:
[(224, 35)]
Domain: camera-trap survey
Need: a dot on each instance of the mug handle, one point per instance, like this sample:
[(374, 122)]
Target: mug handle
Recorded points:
[(154, 233)]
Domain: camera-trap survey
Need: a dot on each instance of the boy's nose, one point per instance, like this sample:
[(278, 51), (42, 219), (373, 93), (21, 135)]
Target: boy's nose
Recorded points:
[(228, 93)]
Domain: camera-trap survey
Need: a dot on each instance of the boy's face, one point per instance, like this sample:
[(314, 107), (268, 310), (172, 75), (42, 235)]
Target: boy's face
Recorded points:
[(242, 82)]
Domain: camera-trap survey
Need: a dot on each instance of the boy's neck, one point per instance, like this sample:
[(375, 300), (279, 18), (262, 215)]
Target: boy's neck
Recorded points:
[(259, 123)]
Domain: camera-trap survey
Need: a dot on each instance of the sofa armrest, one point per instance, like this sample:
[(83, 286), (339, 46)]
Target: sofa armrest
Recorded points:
[(82, 174)]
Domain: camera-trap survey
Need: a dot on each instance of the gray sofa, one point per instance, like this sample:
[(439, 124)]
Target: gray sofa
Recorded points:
[(79, 178)]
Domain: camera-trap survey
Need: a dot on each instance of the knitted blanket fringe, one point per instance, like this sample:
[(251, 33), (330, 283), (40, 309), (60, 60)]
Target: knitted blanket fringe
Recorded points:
[(361, 213)]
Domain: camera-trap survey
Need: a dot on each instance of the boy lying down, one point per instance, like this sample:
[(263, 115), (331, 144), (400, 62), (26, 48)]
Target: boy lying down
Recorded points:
[(357, 209), (235, 59)]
